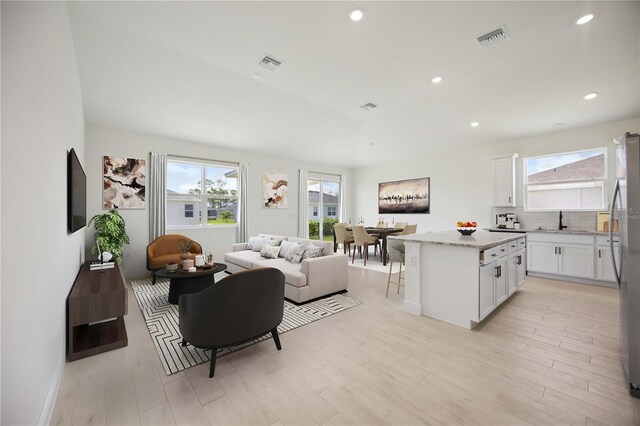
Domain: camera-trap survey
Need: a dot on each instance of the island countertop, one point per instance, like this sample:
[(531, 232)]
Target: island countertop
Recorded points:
[(480, 240)]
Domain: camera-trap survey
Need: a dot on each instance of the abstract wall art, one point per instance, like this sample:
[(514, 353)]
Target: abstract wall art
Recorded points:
[(404, 196), (123, 183), (274, 190)]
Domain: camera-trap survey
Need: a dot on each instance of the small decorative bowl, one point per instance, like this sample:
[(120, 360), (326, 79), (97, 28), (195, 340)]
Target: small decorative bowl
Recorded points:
[(172, 267), (466, 231)]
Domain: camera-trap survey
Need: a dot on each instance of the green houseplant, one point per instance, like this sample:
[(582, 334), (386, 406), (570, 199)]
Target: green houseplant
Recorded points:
[(110, 233)]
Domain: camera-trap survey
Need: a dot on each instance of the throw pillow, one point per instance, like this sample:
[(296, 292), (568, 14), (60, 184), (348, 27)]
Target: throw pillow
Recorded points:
[(285, 246), (312, 251), (251, 242), (270, 251), (259, 243), (295, 253)]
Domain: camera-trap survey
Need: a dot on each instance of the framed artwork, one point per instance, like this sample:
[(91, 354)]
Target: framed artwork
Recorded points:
[(404, 196), (274, 190), (123, 183)]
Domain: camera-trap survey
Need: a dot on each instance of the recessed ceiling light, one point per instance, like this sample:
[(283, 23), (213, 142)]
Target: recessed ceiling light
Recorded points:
[(559, 123), (584, 19), (474, 124), (256, 76), (356, 15), (590, 96), (372, 144), (436, 79)]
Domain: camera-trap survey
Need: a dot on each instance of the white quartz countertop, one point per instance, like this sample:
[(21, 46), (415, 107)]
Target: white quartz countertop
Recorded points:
[(480, 240), (550, 231)]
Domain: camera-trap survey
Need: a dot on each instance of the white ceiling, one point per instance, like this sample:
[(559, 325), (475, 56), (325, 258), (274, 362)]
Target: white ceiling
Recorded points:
[(184, 70)]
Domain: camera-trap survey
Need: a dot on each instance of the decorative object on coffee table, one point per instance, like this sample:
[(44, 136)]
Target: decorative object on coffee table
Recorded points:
[(110, 234)]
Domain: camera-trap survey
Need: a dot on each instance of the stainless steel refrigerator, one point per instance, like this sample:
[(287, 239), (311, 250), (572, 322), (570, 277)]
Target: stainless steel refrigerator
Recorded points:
[(625, 207)]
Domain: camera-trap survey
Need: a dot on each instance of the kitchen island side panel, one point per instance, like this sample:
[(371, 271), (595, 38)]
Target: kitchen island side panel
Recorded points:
[(449, 281)]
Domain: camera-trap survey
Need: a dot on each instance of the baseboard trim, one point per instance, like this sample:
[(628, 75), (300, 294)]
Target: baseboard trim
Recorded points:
[(573, 279), (52, 395), (412, 307)]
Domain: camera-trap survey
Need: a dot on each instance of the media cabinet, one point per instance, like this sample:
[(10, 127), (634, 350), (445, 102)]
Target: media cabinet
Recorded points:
[(95, 312)]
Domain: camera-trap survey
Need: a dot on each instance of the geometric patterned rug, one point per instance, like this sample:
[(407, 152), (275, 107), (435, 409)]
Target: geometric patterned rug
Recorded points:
[(162, 322)]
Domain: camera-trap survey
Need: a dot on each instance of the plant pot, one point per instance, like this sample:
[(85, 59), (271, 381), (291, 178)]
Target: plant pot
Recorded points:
[(185, 256)]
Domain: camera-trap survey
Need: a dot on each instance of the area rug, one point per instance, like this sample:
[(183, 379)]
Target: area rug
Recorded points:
[(162, 321)]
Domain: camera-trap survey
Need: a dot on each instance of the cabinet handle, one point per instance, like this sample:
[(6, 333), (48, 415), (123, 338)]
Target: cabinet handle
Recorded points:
[(599, 253), (494, 255), (555, 250), (497, 272), (519, 259), (509, 199), (502, 249), (559, 250)]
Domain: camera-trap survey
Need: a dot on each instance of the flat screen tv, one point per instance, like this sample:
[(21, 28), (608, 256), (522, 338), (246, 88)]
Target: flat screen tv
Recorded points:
[(76, 193)]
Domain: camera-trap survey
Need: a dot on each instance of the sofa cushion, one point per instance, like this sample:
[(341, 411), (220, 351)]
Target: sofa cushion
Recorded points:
[(270, 251), (312, 251), (295, 253), (327, 245), (244, 258), (285, 246), (259, 243), (292, 272)]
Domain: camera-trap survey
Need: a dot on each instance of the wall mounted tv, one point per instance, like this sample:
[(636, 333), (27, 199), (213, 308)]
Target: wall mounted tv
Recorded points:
[(76, 193)]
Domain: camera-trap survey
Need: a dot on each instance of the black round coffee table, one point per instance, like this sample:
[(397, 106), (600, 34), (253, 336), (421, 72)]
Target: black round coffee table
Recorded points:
[(181, 282)]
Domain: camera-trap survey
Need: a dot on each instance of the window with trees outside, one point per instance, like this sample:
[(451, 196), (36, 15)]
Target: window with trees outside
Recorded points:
[(201, 194), (566, 181)]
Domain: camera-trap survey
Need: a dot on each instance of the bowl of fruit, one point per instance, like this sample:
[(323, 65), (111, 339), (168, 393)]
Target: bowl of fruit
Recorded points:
[(466, 228)]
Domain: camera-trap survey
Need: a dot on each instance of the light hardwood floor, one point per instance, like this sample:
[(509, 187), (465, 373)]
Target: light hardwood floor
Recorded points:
[(549, 355)]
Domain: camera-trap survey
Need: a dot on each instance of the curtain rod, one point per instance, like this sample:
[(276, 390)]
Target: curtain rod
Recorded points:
[(182, 157)]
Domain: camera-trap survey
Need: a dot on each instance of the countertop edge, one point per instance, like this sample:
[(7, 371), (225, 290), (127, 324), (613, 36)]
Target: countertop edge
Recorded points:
[(459, 243), (548, 231)]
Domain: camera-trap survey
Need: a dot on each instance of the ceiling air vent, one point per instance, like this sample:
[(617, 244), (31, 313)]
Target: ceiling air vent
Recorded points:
[(493, 37), (369, 106), (270, 63)]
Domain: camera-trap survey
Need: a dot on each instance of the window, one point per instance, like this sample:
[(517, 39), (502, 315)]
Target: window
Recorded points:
[(569, 181), (315, 211), (332, 211), (201, 193)]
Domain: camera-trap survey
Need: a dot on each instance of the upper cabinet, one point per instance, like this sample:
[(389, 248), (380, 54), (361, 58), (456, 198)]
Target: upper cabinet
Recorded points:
[(504, 180)]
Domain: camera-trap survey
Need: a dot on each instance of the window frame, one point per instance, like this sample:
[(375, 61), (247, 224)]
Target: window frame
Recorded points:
[(203, 197), (578, 183)]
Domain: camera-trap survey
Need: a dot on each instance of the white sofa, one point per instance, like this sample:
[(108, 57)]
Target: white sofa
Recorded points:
[(304, 281)]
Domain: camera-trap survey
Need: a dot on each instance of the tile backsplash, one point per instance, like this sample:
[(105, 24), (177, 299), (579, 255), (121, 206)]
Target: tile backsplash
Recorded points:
[(549, 220)]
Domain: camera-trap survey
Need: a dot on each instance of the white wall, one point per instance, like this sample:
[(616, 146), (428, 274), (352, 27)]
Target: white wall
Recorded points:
[(109, 141), (41, 120), (461, 180)]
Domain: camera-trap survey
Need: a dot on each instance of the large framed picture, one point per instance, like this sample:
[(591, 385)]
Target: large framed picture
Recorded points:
[(404, 196), (123, 182)]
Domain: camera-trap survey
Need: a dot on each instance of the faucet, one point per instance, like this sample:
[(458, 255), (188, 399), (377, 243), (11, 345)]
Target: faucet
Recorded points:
[(560, 225)]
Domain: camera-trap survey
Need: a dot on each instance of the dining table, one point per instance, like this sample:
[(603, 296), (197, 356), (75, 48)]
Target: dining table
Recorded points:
[(381, 233)]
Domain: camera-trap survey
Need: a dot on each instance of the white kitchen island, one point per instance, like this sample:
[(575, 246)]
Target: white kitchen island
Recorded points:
[(461, 279)]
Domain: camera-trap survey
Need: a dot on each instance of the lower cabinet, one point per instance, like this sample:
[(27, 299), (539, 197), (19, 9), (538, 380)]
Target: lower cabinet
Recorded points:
[(575, 260), (604, 264), (499, 279)]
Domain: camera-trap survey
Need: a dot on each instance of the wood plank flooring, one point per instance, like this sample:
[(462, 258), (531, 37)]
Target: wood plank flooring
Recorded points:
[(549, 355)]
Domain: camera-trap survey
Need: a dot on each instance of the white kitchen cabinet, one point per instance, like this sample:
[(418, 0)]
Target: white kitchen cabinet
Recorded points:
[(512, 272), (487, 289), (504, 181), (576, 260), (542, 257), (604, 266), (501, 280), (521, 268)]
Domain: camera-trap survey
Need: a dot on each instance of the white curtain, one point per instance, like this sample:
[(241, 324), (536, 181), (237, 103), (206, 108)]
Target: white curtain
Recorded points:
[(241, 232), (157, 186), (343, 199), (303, 206)]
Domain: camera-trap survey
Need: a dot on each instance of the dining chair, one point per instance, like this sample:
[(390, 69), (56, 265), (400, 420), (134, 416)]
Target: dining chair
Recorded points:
[(399, 225), (343, 236), (409, 229), (362, 240), (395, 249)]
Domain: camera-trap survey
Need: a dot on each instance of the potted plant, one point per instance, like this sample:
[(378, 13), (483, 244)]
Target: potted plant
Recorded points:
[(110, 233), (185, 248)]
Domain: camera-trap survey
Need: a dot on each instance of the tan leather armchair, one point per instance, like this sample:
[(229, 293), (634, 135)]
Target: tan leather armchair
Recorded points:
[(165, 249)]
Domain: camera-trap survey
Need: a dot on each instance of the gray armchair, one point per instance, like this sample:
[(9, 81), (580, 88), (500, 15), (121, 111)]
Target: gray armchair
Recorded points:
[(235, 310)]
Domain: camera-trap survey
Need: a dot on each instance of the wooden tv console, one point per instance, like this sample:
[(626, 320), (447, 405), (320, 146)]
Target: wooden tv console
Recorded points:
[(95, 312)]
